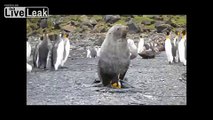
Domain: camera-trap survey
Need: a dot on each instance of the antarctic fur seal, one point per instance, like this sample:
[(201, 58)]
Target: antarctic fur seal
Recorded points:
[(114, 57)]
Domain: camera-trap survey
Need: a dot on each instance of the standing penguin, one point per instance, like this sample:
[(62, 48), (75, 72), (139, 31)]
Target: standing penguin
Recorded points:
[(182, 48), (114, 57), (175, 47), (44, 51), (28, 51), (168, 48), (66, 48), (92, 52), (57, 52), (132, 48), (141, 45), (88, 53), (98, 49), (36, 53), (29, 67)]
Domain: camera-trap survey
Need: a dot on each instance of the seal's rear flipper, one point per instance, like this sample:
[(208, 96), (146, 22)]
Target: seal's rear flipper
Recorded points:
[(125, 84), (97, 81), (98, 85)]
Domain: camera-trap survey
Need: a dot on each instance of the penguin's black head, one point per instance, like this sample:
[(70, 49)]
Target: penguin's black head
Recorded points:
[(167, 33), (184, 32), (44, 31), (176, 32), (42, 37)]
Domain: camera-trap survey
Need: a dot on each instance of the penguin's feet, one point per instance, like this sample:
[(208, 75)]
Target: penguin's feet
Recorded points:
[(98, 85), (63, 67)]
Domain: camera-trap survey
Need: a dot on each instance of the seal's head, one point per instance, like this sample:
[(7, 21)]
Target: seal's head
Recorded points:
[(118, 31)]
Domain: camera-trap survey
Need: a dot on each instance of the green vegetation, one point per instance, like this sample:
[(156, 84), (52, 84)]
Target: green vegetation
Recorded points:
[(139, 19), (97, 17), (33, 24), (122, 22), (179, 20)]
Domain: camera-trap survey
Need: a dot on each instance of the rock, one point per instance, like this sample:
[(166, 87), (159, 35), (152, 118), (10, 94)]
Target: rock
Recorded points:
[(74, 23), (146, 22), (111, 18), (100, 28), (83, 18), (87, 24), (128, 19), (133, 27), (147, 54), (163, 27), (43, 23), (93, 22), (99, 40), (171, 23), (157, 23), (157, 17), (57, 26)]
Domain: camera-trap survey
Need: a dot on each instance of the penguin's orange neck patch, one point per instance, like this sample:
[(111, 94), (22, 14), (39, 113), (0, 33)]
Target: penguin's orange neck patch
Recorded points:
[(167, 37)]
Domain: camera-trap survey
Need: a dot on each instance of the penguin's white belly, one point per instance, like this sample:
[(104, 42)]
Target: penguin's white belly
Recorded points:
[(168, 49), (60, 52), (29, 68), (140, 46), (132, 48), (28, 51), (181, 49), (88, 54), (98, 52), (66, 52)]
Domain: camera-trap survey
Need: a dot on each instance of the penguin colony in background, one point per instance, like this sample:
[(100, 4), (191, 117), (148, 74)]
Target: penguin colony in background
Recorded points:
[(168, 48), (93, 52), (42, 52), (176, 48), (60, 51), (147, 50), (54, 56), (182, 48)]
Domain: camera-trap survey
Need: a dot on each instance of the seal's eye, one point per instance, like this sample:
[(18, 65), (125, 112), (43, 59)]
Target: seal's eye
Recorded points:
[(118, 28)]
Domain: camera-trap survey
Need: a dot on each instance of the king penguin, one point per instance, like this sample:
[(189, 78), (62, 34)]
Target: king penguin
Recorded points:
[(66, 48), (175, 47), (44, 51), (28, 51), (92, 52), (132, 49), (182, 48), (88, 53), (57, 52), (141, 45), (36, 53), (98, 51), (29, 67), (168, 48)]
